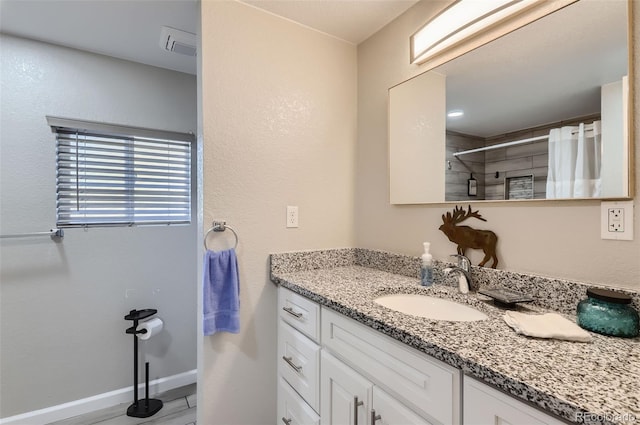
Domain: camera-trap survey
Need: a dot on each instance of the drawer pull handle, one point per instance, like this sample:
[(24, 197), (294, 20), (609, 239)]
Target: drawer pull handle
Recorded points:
[(291, 363), (286, 421), (356, 404), (291, 312), (374, 417)]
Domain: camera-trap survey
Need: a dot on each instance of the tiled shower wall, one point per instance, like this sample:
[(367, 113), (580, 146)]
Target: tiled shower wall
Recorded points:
[(459, 170), (517, 161), (492, 167)]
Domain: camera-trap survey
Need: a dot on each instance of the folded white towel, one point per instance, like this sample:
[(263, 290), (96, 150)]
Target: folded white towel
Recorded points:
[(548, 325)]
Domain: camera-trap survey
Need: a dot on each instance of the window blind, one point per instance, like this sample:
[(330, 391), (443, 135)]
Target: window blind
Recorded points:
[(105, 179)]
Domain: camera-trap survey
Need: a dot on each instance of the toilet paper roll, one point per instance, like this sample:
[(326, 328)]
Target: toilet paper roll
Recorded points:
[(152, 326)]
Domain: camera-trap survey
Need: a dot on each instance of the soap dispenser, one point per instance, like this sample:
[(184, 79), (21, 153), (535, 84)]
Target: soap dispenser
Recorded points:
[(426, 270)]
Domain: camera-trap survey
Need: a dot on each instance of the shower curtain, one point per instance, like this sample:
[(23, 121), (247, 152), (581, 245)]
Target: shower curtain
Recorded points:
[(575, 156)]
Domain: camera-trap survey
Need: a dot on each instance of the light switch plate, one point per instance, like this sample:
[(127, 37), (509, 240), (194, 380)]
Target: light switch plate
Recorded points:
[(616, 220), (292, 216)]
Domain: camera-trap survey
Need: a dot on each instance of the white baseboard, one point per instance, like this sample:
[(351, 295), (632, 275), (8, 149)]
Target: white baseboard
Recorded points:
[(97, 402)]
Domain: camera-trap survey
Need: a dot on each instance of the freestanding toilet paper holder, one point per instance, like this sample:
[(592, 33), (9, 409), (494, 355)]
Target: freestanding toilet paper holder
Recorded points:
[(148, 406)]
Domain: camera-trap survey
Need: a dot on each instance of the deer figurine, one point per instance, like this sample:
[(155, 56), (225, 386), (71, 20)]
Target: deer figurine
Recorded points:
[(468, 237)]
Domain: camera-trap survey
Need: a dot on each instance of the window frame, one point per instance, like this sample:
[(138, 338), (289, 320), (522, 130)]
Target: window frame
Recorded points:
[(128, 135)]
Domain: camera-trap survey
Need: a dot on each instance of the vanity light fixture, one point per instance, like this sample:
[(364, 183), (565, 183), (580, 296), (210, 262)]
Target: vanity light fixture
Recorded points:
[(460, 21)]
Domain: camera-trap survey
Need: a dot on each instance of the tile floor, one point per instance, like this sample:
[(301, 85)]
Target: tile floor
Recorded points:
[(179, 409)]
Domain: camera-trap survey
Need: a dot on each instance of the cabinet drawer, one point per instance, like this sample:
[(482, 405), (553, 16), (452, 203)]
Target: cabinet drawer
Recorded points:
[(486, 405), (292, 409), (299, 363), (430, 387), (299, 312)]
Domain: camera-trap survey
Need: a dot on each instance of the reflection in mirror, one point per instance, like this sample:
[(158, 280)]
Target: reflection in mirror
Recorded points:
[(540, 113)]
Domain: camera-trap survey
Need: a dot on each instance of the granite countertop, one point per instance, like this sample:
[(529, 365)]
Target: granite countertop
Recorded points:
[(595, 383)]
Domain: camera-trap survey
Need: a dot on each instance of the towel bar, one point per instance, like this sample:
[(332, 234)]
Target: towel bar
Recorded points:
[(54, 233), (220, 226)]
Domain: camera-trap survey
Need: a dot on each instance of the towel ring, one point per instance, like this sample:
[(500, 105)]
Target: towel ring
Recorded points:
[(220, 226)]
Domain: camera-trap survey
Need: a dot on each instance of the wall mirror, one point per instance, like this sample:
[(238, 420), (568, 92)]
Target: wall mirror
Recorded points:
[(540, 113)]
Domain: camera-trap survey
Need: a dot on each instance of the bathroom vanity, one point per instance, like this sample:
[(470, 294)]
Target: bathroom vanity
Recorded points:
[(342, 358)]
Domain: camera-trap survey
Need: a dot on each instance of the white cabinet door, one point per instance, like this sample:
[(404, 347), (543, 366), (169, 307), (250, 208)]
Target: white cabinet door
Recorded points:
[(292, 409), (484, 405), (346, 396), (389, 411)]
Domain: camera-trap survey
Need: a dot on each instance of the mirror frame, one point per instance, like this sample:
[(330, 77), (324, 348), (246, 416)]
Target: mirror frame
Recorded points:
[(489, 34)]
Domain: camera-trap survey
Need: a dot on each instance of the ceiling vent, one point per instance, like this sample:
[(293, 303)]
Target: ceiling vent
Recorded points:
[(176, 41)]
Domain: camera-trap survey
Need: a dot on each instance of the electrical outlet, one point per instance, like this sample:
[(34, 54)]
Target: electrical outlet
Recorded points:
[(616, 220), (615, 217), (292, 216)]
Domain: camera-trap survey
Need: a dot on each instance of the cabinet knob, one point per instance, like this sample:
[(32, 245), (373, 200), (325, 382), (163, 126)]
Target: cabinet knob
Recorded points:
[(286, 421), (374, 417)]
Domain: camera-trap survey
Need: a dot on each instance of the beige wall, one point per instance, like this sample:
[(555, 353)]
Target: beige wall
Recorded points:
[(558, 239), (279, 128), (279, 125)]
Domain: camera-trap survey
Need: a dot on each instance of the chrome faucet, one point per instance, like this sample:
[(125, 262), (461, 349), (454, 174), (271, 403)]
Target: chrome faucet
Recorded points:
[(464, 267)]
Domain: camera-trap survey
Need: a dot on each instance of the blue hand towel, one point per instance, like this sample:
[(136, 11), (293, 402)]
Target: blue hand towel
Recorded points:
[(221, 292)]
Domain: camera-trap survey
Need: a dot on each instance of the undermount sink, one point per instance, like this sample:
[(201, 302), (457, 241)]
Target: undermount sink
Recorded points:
[(430, 307)]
